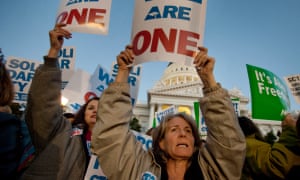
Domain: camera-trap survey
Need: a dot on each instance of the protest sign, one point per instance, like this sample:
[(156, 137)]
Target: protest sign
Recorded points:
[(94, 170), (22, 70), (99, 81), (236, 105), (82, 86), (293, 82), (88, 16), (165, 30), (144, 139), (66, 59), (76, 89), (269, 94), (133, 80), (160, 115)]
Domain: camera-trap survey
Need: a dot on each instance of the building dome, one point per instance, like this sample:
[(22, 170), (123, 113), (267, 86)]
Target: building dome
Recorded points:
[(176, 74)]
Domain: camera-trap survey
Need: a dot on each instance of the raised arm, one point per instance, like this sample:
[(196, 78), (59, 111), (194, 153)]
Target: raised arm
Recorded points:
[(44, 111), (225, 143), (115, 145)]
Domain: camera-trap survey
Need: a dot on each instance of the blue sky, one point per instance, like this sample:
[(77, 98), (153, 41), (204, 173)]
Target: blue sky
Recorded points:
[(263, 33)]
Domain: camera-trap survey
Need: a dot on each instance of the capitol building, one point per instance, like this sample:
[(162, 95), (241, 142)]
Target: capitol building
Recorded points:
[(180, 86)]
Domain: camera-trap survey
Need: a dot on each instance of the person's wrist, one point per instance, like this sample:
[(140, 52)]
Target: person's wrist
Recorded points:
[(208, 81), (211, 88), (122, 75), (53, 53)]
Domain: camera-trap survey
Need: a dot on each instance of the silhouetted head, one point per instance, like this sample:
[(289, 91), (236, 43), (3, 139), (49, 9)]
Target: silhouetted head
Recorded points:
[(249, 128)]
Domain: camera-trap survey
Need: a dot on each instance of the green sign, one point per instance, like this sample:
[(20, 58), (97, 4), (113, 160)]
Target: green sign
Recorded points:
[(269, 94)]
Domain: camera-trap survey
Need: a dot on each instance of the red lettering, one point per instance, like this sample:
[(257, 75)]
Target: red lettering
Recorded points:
[(80, 18), (95, 16), (89, 95), (142, 41), (147, 39), (62, 17), (184, 42), (92, 15), (169, 44)]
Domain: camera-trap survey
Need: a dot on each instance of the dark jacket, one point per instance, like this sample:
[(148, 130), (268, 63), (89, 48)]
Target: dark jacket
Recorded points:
[(266, 161), (10, 145), (60, 155)]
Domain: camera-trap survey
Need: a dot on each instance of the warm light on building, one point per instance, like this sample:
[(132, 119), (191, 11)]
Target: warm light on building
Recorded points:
[(64, 101)]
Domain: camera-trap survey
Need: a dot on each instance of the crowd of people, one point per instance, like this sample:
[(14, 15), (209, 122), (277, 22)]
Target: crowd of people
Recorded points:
[(63, 143)]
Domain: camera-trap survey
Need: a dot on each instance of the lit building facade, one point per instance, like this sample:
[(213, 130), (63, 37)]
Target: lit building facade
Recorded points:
[(181, 86)]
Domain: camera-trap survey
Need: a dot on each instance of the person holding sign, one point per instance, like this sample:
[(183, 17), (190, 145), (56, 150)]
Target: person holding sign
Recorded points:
[(176, 151), (266, 161), (61, 150)]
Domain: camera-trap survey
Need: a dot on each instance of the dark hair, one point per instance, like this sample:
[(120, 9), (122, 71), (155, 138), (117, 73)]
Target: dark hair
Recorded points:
[(79, 116), (149, 132), (6, 87), (69, 115), (159, 133), (249, 128)]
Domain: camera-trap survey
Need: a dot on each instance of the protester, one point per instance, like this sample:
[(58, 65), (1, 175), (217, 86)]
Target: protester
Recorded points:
[(10, 141), (85, 118), (60, 151), (175, 152), (266, 161)]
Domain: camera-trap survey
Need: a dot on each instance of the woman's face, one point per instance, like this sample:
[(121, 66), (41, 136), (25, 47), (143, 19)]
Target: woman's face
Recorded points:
[(90, 113), (178, 141)]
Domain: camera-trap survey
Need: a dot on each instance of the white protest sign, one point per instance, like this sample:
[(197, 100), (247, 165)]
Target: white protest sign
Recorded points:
[(76, 89), (144, 139), (133, 79), (293, 82), (82, 86), (21, 72), (168, 30), (160, 115), (66, 60), (99, 81), (236, 105), (85, 16), (94, 170)]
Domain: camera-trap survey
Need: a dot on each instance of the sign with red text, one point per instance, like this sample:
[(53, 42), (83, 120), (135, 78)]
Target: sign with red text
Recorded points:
[(168, 30), (85, 16), (293, 82), (269, 95)]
